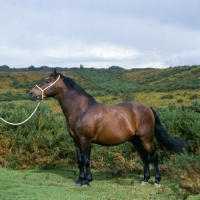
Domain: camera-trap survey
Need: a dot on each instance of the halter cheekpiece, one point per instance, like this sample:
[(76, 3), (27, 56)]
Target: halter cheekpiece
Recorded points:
[(42, 90)]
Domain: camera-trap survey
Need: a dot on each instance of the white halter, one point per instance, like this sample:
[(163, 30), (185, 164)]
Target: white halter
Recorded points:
[(42, 90), (15, 124)]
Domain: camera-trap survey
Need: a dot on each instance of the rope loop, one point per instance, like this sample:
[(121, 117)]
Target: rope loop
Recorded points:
[(42, 90), (16, 124)]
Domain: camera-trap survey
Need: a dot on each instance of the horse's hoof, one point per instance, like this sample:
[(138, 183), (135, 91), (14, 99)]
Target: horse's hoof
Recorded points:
[(157, 185), (144, 183), (78, 184), (85, 185)]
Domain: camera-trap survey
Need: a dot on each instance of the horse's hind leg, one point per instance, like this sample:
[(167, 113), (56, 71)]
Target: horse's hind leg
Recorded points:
[(137, 143), (148, 142), (154, 160)]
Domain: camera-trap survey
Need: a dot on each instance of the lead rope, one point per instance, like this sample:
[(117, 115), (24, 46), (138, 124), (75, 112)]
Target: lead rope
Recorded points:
[(16, 124), (42, 90)]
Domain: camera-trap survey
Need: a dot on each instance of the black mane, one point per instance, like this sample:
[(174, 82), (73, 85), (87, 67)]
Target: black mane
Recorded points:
[(71, 84)]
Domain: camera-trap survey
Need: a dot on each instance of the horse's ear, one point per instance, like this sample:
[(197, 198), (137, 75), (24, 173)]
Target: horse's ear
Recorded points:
[(54, 72)]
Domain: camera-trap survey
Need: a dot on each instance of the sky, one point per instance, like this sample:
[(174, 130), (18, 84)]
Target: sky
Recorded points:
[(99, 33)]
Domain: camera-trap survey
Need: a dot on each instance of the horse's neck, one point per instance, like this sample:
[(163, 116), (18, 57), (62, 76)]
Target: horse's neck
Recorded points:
[(74, 105)]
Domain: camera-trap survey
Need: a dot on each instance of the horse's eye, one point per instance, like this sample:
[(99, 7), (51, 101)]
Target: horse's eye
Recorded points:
[(47, 81)]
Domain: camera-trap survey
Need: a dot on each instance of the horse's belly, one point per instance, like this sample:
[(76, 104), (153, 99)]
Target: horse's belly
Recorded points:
[(112, 135)]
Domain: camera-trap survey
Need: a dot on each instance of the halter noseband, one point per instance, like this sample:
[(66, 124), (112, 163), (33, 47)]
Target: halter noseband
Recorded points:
[(42, 90)]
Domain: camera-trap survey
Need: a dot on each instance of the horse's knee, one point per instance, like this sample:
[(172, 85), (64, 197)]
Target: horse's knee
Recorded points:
[(86, 162), (154, 157), (79, 157)]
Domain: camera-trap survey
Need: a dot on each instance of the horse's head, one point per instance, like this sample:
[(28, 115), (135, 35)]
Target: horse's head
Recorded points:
[(46, 88)]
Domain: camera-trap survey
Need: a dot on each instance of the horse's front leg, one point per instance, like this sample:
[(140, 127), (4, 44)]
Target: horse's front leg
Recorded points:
[(81, 167), (86, 150)]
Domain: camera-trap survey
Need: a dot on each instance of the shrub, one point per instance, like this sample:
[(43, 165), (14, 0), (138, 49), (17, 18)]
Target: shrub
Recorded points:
[(193, 96), (179, 101), (185, 174), (42, 141), (115, 98), (127, 97), (167, 96), (182, 122)]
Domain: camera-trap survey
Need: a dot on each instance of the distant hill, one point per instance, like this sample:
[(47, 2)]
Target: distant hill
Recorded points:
[(4, 68), (31, 68), (116, 67)]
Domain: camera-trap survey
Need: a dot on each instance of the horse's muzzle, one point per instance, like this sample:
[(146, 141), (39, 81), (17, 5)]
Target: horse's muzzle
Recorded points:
[(33, 96)]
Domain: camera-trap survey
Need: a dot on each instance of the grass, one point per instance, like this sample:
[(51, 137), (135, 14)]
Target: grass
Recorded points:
[(59, 184)]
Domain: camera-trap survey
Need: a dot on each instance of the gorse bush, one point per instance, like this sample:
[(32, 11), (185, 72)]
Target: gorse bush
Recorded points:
[(186, 173), (39, 142), (182, 122), (179, 101), (193, 96)]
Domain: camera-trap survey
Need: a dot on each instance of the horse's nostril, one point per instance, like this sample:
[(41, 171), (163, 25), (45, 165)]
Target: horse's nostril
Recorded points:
[(32, 96)]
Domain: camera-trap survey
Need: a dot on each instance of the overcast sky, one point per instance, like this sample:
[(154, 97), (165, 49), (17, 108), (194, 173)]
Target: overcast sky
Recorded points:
[(99, 33)]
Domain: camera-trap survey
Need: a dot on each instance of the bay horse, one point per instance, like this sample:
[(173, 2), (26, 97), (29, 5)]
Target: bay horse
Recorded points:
[(91, 122)]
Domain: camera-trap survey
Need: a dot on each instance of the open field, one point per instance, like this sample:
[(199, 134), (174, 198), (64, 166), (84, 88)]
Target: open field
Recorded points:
[(59, 184)]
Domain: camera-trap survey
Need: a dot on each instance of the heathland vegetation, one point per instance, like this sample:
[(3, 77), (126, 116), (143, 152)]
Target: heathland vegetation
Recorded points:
[(43, 142)]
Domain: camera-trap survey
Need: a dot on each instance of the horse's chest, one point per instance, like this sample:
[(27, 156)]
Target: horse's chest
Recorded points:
[(77, 129)]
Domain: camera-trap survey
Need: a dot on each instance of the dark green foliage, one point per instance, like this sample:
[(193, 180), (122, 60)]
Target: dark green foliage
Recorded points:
[(25, 84), (115, 81), (106, 82), (127, 97), (8, 96), (179, 101), (167, 96), (193, 96), (195, 106), (182, 122), (187, 174)]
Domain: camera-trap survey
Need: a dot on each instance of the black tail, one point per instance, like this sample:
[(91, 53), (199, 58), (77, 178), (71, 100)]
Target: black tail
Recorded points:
[(164, 138)]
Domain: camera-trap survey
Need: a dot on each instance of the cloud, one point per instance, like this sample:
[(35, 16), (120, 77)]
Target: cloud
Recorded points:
[(99, 33), (186, 57), (90, 56)]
